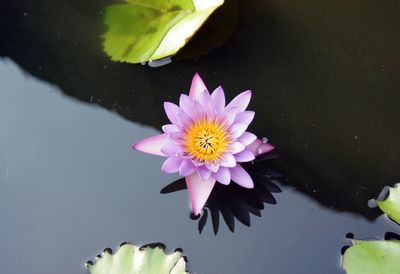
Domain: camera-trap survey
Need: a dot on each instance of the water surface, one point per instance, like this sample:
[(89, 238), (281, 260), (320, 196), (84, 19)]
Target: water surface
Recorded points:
[(325, 84)]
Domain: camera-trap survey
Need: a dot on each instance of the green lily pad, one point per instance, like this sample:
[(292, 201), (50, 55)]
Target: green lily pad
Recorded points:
[(389, 202), (131, 259), (372, 257), (145, 30)]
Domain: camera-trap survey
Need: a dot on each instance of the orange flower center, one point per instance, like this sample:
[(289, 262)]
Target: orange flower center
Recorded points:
[(206, 140)]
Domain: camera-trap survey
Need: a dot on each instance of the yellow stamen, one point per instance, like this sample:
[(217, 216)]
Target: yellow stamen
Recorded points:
[(206, 140)]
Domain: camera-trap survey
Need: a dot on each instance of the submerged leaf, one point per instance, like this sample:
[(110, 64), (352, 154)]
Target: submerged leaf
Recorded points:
[(143, 30), (390, 204), (131, 259), (372, 257)]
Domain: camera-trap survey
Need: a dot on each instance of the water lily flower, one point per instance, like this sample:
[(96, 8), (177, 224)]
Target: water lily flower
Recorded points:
[(206, 141)]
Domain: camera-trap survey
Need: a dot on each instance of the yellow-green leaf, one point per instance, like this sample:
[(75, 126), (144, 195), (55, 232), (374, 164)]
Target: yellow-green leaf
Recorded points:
[(145, 30), (391, 204), (131, 259), (372, 257)]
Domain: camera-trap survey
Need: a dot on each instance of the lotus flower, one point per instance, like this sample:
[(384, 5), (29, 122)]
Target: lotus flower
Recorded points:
[(207, 141)]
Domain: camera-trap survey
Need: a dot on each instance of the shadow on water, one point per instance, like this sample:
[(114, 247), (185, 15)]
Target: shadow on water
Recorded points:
[(235, 202), (325, 80)]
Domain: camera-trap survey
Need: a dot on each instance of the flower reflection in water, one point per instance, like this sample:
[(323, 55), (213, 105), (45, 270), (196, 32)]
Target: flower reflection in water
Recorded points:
[(235, 202)]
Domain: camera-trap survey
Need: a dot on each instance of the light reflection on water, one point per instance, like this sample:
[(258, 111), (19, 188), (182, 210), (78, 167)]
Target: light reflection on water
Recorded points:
[(74, 187)]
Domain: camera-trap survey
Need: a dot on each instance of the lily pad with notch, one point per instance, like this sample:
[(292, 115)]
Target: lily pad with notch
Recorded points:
[(133, 259), (372, 257)]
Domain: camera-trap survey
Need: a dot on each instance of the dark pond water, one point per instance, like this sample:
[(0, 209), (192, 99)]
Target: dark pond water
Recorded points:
[(325, 79)]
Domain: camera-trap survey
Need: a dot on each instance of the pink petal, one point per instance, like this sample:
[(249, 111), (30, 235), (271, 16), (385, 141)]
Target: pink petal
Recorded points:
[(197, 111), (264, 148), (186, 168), (237, 130), (254, 145), (172, 112), (258, 147), (171, 150), (218, 99), (245, 117), (240, 176), (171, 165), (227, 160), (204, 172), (245, 156), (176, 115), (247, 138), (186, 104), (197, 86), (184, 119), (229, 115), (199, 191), (170, 128), (176, 137), (152, 144), (236, 147), (223, 175), (212, 167), (197, 163), (241, 101), (205, 101)]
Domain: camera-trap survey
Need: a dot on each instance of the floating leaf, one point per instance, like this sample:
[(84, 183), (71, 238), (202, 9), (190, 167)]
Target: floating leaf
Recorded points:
[(131, 259), (372, 257), (377, 257), (389, 202), (144, 30)]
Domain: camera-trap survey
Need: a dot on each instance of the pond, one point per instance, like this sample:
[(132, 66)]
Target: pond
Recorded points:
[(325, 81)]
